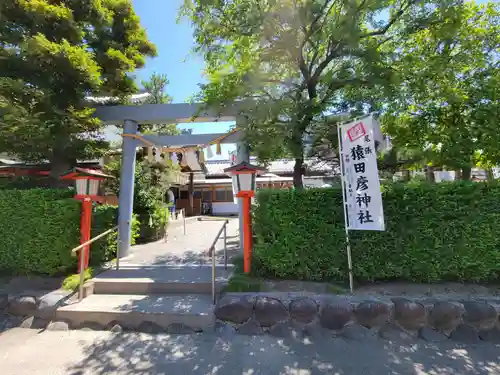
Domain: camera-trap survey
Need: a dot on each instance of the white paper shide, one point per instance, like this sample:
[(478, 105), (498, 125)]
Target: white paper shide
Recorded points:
[(362, 194)]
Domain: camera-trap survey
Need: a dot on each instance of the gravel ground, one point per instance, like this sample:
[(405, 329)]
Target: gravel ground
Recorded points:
[(452, 291)]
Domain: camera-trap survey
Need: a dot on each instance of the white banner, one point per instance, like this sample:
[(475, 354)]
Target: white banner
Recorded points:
[(362, 195)]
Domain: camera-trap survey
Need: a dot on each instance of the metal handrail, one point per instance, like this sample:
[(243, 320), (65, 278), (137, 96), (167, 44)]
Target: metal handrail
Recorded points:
[(82, 258), (211, 251), (94, 239)]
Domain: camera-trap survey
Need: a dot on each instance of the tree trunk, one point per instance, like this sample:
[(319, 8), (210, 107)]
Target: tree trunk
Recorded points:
[(429, 175), (466, 173), (458, 174), (489, 174), (59, 164), (297, 173)]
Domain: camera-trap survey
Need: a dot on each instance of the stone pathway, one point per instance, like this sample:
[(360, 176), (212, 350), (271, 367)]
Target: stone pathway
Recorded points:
[(27, 352), (191, 248)]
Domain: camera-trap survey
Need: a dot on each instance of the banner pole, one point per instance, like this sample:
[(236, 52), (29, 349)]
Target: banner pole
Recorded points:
[(344, 200)]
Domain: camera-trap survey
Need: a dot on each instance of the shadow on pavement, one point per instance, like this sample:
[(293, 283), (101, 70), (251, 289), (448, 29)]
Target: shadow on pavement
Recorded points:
[(131, 353), (197, 257)]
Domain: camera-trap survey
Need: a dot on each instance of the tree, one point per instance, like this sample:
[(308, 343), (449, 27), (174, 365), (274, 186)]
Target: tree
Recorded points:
[(288, 62), (52, 55), (156, 87), (448, 103)]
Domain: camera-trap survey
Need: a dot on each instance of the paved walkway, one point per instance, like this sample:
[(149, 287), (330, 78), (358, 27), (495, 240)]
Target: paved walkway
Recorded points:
[(26, 352), (191, 248)]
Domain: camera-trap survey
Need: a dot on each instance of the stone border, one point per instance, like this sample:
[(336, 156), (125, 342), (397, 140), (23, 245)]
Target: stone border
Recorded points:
[(40, 311), (433, 320), (296, 315), (35, 310)]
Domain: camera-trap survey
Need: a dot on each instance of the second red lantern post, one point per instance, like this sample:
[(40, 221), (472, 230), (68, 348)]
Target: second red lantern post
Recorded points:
[(244, 186)]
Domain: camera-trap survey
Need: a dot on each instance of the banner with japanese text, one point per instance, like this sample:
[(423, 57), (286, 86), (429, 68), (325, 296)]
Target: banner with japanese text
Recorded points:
[(362, 195)]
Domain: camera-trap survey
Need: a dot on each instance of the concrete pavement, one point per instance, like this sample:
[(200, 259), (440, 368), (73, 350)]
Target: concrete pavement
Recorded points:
[(27, 352), (191, 248)]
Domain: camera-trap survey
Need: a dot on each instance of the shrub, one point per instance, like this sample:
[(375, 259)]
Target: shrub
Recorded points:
[(152, 225), (72, 282), (242, 283), (106, 217), (39, 229), (445, 231), (150, 185)]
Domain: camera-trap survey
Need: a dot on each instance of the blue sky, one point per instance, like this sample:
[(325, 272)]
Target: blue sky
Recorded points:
[(174, 41)]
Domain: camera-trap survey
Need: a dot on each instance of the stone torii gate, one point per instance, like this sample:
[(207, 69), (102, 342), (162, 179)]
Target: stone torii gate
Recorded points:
[(131, 116)]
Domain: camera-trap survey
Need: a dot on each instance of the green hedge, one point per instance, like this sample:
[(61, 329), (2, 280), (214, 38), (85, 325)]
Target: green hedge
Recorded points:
[(39, 227), (445, 231)]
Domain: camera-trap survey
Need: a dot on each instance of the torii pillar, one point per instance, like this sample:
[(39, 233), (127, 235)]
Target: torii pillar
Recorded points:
[(126, 197)]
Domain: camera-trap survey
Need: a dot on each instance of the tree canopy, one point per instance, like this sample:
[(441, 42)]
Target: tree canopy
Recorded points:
[(448, 99), (290, 62), (52, 55)]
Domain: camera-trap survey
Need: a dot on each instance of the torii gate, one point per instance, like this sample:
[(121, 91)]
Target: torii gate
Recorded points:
[(131, 116)]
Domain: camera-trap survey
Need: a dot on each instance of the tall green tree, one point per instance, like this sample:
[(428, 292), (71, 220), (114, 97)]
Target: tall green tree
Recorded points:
[(448, 100), (52, 55), (289, 61), (156, 86)]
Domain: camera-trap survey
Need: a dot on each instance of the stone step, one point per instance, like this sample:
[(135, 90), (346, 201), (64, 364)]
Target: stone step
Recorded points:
[(147, 313), (195, 279)]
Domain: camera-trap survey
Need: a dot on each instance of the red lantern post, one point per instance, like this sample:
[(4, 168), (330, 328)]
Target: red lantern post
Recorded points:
[(87, 188), (244, 176)]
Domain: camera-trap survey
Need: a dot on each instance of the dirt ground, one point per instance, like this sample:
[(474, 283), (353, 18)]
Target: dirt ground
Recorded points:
[(387, 289)]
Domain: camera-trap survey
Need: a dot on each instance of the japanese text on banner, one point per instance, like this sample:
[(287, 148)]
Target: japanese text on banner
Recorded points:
[(362, 185)]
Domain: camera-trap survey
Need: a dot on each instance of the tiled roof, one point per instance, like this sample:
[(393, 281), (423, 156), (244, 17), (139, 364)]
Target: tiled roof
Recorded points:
[(281, 166)]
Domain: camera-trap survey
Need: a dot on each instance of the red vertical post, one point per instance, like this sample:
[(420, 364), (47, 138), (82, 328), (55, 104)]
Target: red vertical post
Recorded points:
[(85, 225), (250, 232), (247, 235)]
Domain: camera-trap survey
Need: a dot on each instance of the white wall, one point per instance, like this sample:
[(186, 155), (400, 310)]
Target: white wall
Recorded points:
[(224, 208)]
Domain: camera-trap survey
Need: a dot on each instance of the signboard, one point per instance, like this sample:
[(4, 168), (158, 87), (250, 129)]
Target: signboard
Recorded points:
[(362, 195)]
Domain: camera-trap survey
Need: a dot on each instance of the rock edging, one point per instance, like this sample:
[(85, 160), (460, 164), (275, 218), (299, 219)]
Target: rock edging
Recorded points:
[(30, 310), (348, 316)]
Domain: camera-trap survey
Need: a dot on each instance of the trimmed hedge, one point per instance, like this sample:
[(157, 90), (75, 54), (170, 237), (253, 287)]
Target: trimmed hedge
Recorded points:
[(39, 228), (445, 231)]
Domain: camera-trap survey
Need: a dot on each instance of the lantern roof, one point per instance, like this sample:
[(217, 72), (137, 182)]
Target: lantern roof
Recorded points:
[(245, 167), (78, 172)]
